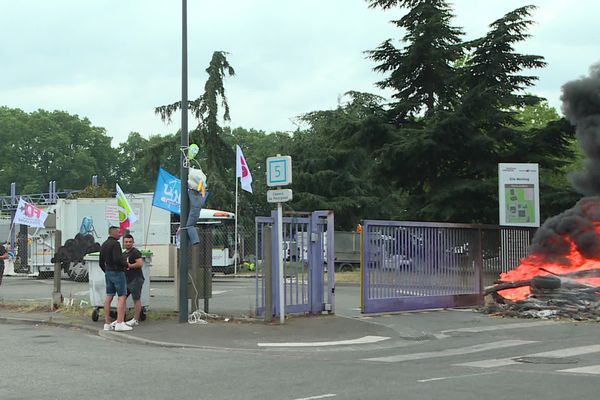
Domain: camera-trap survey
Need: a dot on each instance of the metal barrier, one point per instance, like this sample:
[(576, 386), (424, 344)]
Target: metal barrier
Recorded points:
[(40, 251), (418, 265), (307, 241)]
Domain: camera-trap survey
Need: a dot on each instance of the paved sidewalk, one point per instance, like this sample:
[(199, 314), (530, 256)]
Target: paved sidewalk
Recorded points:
[(317, 332), (232, 300)]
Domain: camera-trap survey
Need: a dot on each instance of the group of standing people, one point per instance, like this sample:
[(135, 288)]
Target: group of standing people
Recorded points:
[(123, 276)]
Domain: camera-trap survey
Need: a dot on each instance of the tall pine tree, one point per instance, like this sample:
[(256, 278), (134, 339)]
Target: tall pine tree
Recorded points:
[(421, 74), (218, 156)]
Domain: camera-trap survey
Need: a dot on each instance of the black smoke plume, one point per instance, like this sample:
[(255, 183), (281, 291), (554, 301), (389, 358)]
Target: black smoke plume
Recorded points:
[(576, 227), (581, 105)]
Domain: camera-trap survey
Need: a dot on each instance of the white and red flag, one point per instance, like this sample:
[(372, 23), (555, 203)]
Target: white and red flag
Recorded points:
[(30, 215), (242, 171)]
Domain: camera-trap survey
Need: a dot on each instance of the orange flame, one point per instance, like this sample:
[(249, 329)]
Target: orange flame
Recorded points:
[(538, 265)]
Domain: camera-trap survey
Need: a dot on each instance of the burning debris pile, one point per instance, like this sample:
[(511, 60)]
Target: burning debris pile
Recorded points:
[(561, 275), (550, 296)]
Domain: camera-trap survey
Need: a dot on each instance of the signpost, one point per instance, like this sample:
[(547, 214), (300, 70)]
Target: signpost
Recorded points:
[(279, 173), (518, 194), (279, 195)]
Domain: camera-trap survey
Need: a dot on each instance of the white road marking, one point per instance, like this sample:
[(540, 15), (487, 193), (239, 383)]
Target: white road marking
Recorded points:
[(362, 340), (593, 369), (82, 293), (500, 327), (38, 299), (452, 352), (566, 352), (497, 362), (443, 378), (323, 396)]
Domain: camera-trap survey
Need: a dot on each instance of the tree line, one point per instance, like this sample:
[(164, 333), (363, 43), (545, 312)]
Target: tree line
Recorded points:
[(458, 109)]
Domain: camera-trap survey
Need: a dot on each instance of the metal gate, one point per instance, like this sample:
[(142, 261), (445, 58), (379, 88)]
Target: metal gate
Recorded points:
[(307, 252), (416, 265)]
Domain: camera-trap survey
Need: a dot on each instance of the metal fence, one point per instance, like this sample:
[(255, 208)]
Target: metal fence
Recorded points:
[(412, 265), (223, 239), (35, 252)]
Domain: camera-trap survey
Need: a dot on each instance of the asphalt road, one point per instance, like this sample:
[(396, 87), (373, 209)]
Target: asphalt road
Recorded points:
[(531, 361)]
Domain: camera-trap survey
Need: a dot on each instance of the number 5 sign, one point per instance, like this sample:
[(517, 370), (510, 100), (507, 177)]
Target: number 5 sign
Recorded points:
[(279, 171)]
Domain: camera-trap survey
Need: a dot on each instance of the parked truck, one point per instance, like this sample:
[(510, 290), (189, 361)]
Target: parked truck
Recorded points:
[(346, 248)]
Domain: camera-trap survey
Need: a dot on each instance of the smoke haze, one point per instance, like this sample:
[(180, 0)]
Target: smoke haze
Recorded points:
[(575, 228), (581, 105)]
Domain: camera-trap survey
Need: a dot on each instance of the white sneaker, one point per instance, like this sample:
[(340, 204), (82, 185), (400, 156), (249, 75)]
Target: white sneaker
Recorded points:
[(133, 322), (109, 327), (122, 326)]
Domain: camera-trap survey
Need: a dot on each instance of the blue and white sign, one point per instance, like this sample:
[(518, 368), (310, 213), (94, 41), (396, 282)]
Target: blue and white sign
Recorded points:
[(167, 192), (279, 171)]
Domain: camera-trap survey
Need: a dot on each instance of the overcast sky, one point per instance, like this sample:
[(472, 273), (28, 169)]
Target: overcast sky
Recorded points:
[(113, 61)]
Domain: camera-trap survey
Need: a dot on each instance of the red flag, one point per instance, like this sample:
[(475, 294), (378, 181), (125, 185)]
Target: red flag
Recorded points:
[(242, 171)]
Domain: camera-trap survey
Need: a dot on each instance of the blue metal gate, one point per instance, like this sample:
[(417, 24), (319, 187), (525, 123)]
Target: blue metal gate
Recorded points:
[(307, 250), (418, 265)]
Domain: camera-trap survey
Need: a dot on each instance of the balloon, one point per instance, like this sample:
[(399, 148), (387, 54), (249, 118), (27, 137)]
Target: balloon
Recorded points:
[(193, 150)]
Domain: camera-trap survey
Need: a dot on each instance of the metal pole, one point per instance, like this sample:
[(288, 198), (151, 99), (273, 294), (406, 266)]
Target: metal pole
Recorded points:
[(235, 246), (267, 268), (13, 201), (280, 263), (57, 295), (194, 276), (185, 205)]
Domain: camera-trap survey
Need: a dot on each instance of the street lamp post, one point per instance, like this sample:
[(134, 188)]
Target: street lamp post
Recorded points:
[(185, 205)]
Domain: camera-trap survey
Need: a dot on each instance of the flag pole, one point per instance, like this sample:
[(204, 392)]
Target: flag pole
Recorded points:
[(235, 261), (8, 240), (148, 228)]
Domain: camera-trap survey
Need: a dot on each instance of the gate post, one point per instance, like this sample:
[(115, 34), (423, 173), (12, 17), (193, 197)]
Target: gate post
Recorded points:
[(23, 254), (57, 297), (267, 269), (204, 273), (275, 267), (315, 265), (330, 263), (479, 262)]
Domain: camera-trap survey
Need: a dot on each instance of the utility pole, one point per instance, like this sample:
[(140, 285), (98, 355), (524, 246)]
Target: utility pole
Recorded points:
[(185, 204)]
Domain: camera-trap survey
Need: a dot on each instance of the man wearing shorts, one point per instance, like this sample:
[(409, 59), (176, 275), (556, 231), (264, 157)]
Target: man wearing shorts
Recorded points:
[(114, 266), (135, 277)]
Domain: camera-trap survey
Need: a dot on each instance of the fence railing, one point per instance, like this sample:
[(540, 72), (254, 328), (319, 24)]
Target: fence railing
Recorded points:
[(416, 265)]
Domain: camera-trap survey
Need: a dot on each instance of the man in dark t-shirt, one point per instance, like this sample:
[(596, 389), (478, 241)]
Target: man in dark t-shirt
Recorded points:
[(3, 256), (135, 277), (112, 263)]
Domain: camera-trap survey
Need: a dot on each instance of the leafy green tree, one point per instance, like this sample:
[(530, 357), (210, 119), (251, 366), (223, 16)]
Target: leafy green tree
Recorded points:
[(257, 146), (129, 170), (494, 81), (544, 130), (91, 191), (421, 74), (535, 116), (139, 159), (42, 146), (447, 164), (334, 164)]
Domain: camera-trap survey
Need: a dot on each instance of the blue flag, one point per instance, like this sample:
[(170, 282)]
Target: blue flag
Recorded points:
[(167, 192)]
